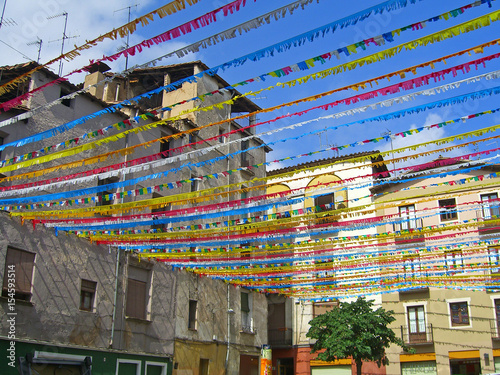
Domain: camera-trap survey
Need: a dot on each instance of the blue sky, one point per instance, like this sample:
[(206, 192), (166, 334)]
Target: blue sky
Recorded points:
[(25, 22)]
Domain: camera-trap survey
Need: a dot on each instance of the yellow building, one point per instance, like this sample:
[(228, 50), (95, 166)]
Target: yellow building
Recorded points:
[(440, 246)]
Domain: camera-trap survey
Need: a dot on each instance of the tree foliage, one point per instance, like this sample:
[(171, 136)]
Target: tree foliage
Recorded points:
[(354, 330)]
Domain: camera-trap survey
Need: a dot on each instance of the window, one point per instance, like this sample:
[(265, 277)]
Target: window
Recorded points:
[(156, 368), (87, 295), (192, 314), (459, 314), (490, 205), (454, 261), (164, 147), (320, 308), (156, 215), (416, 324), (246, 158), (448, 209), (246, 312), (327, 200), (204, 362), (494, 259), (18, 275), (497, 315), (128, 367), (411, 265), (105, 198), (137, 293), (65, 102), (222, 139), (407, 214), (194, 183)]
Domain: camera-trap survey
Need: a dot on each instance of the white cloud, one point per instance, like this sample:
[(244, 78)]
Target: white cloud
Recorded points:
[(421, 138), (27, 21)]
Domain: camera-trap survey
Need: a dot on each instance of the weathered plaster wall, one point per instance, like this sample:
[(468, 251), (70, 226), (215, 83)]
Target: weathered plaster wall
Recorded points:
[(53, 314)]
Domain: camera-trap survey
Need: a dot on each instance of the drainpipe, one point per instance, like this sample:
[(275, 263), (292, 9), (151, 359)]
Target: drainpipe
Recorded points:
[(114, 300), (113, 319), (228, 329)]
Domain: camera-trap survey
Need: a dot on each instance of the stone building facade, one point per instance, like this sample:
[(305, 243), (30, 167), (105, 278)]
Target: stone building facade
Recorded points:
[(84, 304)]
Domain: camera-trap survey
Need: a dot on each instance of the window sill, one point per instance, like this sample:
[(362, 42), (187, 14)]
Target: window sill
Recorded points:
[(192, 329), (461, 327), (88, 311), (138, 320), (17, 301), (248, 332)]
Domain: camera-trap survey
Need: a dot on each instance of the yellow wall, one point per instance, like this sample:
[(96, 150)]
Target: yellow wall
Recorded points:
[(187, 355), (323, 180)]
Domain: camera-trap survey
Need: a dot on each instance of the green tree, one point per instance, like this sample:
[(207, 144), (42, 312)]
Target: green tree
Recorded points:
[(354, 330)]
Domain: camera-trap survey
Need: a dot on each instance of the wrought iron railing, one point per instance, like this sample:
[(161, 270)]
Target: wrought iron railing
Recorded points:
[(280, 336), (416, 338)]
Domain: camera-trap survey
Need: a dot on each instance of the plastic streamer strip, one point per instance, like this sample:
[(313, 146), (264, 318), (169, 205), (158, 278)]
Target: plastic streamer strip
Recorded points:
[(227, 34), (176, 32), (184, 156), (423, 198), (122, 31), (171, 185), (31, 187), (479, 132), (445, 34), (303, 65), (174, 242), (315, 263), (135, 181), (198, 209), (406, 85), (351, 212)]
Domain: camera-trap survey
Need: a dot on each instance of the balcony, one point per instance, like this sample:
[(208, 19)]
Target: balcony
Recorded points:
[(487, 220), (247, 159), (417, 338), (495, 330), (244, 122), (280, 337), (409, 231)]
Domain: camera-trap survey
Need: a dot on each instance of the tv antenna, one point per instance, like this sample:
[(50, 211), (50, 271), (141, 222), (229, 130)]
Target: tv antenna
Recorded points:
[(385, 134), (327, 144), (8, 22), (39, 42), (64, 36), (3, 12), (128, 34)]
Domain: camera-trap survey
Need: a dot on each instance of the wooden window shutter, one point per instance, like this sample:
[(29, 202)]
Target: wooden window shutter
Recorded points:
[(245, 306), (89, 286), (136, 299), (24, 263)]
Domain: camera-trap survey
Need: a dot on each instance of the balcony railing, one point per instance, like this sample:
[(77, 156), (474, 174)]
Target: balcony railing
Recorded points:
[(280, 336), (247, 328), (487, 220), (495, 330), (247, 159), (410, 225), (417, 338)]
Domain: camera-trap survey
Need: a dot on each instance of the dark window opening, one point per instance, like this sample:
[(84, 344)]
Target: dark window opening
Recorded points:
[(165, 148), (105, 198), (18, 275), (448, 209), (490, 205), (137, 293), (87, 295), (192, 314), (65, 102)]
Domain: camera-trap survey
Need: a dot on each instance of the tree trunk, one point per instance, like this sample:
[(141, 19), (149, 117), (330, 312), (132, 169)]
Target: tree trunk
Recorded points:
[(359, 363)]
